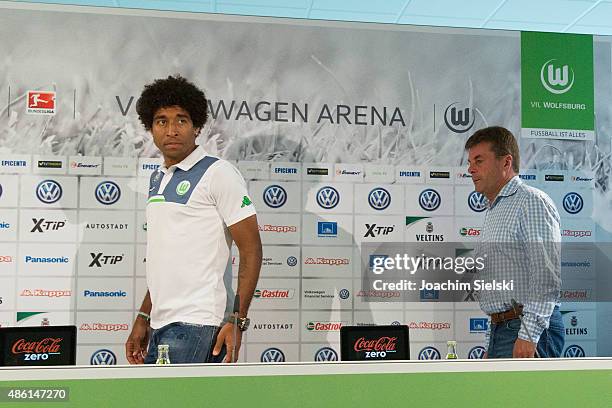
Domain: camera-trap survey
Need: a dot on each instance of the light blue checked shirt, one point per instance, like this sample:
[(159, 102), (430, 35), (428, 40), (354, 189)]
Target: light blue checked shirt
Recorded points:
[(522, 240)]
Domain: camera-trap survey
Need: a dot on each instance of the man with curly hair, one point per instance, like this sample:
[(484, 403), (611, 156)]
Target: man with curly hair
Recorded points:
[(198, 204)]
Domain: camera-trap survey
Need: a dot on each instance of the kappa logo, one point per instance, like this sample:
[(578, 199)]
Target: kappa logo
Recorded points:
[(49, 191), (108, 193), (477, 202), (328, 197), (275, 196), (556, 79), (573, 203), (476, 353), (429, 200), (429, 353), (272, 355), (574, 351), (326, 354), (103, 357), (379, 199), (246, 201), (458, 120)]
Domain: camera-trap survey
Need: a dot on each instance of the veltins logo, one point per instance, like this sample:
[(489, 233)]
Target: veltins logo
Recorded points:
[(476, 353), (108, 193), (103, 357), (477, 202), (573, 203), (429, 199), (328, 197), (458, 120), (574, 351), (275, 196), (183, 187), (555, 78), (41, 102), (429, 353), (326, 354), (379, 199), (272, 355), (49, 191)]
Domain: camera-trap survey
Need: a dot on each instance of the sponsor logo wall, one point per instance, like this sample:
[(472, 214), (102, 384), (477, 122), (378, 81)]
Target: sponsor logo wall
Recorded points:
[(76, 262), (324, 180)]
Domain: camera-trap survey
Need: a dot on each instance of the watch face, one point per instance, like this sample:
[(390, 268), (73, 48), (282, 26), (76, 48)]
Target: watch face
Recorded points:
[(244, 324)]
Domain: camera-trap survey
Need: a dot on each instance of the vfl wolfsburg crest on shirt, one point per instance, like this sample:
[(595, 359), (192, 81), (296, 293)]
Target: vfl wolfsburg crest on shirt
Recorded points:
[(183, 187)]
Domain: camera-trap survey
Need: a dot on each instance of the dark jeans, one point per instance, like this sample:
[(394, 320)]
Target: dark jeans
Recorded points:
[(188, 343), (503, 336)]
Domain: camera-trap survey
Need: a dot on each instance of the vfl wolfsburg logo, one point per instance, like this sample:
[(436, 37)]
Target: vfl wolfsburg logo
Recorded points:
[(183, 187), (555, 78), (459, 120)]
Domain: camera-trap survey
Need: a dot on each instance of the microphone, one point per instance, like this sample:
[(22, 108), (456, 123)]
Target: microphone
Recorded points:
[(235, 313), (517, 310)]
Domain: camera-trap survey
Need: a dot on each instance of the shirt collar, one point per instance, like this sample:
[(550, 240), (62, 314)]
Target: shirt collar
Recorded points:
[(188, 162), (507, 190)]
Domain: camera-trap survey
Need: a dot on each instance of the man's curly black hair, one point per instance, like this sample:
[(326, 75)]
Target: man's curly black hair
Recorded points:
[(172, 91)]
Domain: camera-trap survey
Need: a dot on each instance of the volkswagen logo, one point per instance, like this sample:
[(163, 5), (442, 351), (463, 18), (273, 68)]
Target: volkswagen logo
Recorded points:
[(344, 294), (379, 199), (477, 201), (328, 197), (275, 196), (429, 353), (103, 357), (395, 323), (573, 203), (272, 355), (476, 353), (108, 193), (326, 354), (292, 261), (429, 200), (574, 351), (49, 191)]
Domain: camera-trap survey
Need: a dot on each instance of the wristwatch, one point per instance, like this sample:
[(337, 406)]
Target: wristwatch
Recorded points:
[(242, 322)]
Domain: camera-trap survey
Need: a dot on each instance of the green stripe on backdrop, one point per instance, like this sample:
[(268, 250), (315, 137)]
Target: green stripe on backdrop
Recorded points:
[(481, 389)]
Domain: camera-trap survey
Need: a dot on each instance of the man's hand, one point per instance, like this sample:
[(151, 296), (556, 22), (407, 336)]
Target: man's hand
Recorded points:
[(136, 344), (226, 336), (523, 349)]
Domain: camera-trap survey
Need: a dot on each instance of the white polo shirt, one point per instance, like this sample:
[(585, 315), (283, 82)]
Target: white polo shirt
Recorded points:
[(190, 206)]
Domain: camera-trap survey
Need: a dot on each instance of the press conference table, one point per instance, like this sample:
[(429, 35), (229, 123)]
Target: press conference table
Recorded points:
[(584, 382)]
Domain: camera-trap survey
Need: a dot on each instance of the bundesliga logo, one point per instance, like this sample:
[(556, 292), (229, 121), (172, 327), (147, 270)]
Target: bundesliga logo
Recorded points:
[(41, 103)]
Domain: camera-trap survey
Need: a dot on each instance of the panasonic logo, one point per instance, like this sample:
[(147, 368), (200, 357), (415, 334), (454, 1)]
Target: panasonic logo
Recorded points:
[(95, 293), (36, 259)]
